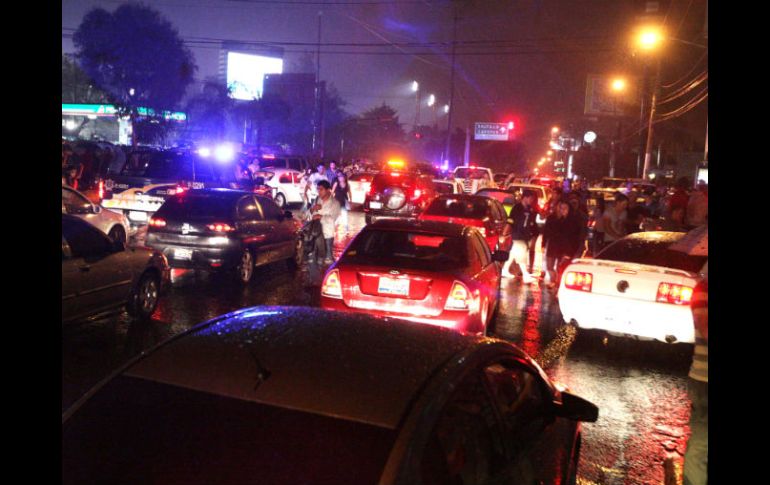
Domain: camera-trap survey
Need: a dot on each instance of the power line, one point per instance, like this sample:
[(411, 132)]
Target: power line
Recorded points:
[(692, 103), (697, 63), (685, 89)]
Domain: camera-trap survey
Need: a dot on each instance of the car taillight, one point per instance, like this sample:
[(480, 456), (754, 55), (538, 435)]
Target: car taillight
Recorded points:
[(576, 280), (459, 297), (220, 227), (673, 293), (178, 190), (157, 222), (331, 286), (416, 194), (483, 231), (101, 189)]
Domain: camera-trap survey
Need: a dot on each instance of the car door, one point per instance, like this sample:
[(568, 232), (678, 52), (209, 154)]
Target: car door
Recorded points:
[(502, 227), (252, 228), (104, 277), (281, 238), (488, 275)]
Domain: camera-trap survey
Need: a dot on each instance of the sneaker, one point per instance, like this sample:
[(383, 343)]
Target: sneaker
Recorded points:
[(328, 261)]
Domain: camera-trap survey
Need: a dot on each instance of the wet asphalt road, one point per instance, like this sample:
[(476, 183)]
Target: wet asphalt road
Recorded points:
[(640, 387)]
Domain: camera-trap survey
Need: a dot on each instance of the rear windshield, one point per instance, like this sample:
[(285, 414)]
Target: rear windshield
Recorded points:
[(138, 431), (190, 206), (473, 173), (159, 165), (455, 207), (498, 195), (443, 188), (655, 253), (382, 180), (409, 250)]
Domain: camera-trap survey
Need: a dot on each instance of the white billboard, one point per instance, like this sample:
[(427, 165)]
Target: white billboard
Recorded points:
[(246, 73)]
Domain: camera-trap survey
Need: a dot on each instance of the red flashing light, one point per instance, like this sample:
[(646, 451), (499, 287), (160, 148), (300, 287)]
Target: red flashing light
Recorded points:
[(220, 227), (157, 222), (510, 125), (417, 194), (575, 280), (101, 189), (269, 156)]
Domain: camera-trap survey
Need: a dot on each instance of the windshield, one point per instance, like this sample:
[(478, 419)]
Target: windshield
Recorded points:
[(190, 206), (456, 207), (654, 253), (408, 250), (472, 173), (500, 195), (138, 431)]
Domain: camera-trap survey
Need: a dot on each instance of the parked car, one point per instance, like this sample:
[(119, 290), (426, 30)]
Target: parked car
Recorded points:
[(636, 286), (289, 395), (300, 164), (518, 189), (285, 184), (223, 230), (472, 178), (114, 224), (360, 183), (149, 177), (484, 213), (424, 271), (499, 179), (99, 273), (397, 194)]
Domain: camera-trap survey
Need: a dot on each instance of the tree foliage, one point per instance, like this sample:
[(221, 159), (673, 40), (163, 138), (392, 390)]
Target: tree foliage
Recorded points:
[(375, 133), (210, 113), (134, 48), (77, 87)]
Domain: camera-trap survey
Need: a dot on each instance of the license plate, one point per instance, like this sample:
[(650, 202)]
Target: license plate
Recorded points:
[(392, 286), (137, 215), (375, 205), (183, 254)]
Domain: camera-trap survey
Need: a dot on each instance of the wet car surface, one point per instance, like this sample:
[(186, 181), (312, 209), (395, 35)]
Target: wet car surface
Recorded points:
[(639, 387)]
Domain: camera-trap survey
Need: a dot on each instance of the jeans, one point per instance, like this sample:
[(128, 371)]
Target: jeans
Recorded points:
[(315, 262), (329, 247), (696, 458)]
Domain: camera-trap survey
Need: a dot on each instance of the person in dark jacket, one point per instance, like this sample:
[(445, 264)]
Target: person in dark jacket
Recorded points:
[(314, 249), (524, 215), (561, 236), (581, 219)]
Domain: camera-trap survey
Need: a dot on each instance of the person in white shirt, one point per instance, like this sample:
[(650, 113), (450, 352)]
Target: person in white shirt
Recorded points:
[(326, 209)]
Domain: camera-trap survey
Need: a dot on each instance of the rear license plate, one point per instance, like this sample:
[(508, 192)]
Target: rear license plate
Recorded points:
[(137, 215), (183, 254), (392, 286), (375, 205)]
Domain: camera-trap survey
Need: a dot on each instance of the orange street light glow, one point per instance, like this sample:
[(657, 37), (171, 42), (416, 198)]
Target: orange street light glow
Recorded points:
[(650, 37), (618, 85)]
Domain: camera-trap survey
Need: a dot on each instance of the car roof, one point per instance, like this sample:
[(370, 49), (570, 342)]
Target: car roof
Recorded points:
[(655, 236), (433, 227), (351, 366)]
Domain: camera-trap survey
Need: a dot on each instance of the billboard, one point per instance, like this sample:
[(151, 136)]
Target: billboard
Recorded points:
[(491, 131), (246, 73)]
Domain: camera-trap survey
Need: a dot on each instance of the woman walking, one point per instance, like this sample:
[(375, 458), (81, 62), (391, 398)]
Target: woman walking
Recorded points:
[(561, 238), (342, 194)]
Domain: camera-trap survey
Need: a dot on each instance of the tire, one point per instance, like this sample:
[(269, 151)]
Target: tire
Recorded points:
[(295, 262), (280, 200), (117, 233), (245, 269), (144, 297)]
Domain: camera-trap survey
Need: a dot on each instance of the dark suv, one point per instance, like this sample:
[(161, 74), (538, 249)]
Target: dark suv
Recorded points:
[(398, 195), (223, 229)]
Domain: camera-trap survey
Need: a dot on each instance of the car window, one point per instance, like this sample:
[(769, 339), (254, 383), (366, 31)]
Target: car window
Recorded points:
[(84, 240), (285, 178), (482, 249), (498, 213), (73, 202), (151, 432), (249, 209), (466, 444), (652, 252), (520, 398), (168, 165), (458, 207), (269, 209), (472, 173), (409, 250), (196, 206)]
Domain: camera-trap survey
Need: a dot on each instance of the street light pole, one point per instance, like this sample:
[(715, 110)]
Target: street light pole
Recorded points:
[(650, 131), (451, 91)]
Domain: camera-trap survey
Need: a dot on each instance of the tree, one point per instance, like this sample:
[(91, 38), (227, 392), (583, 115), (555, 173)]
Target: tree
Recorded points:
[(210, 113), (375, 134), (136, 56), (77, 87)]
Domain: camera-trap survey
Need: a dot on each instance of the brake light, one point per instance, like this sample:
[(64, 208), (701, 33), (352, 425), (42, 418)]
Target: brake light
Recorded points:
[(178, 190), (101, 189), (576, 280), (673, 293), (220, 227), (459, 297), (157, 222), (331, 286)]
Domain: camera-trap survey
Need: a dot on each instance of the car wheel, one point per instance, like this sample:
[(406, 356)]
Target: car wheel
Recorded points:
[(245, 268), (144, 298), (295, 262), (280, 200), (117, 233)]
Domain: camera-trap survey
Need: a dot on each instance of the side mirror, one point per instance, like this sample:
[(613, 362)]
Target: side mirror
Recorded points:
[(500, 256), (95, 209), (118, 246), (576, 408)]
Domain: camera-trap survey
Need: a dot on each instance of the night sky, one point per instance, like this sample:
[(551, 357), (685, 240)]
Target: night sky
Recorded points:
[(530, 58)]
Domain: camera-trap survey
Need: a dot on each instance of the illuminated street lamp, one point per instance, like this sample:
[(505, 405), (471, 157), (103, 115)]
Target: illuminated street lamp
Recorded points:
[(618, 85), (554, 130), (446, 108), (431, 100), (549, 152), (415, 86), (649, 39), (416, 90)]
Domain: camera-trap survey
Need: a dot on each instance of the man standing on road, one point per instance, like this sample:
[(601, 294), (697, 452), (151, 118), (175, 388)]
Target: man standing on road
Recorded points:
[(327, 210), (311, 189), (524, 218), (614, 219), (696, 457)]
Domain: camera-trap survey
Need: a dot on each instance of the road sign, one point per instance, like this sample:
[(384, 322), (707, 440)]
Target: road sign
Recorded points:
[(491, 131)]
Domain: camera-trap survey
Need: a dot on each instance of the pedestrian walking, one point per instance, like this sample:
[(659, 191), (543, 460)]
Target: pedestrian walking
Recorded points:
[(598, 224), (561, 236), (581, 221), (680, 198), (342, 194), (327, 210), (524, 217), (698, 206), (614, 219), (331, 174), (311, 188)]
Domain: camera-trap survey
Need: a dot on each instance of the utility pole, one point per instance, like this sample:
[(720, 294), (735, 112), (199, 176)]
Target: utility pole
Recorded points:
[(317, 110), (467, 154), (642, 119), (451, 91), (648, 145)]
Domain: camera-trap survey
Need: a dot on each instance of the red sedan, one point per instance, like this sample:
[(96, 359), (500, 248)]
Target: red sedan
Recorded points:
[(428, 272), (484, 213)]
